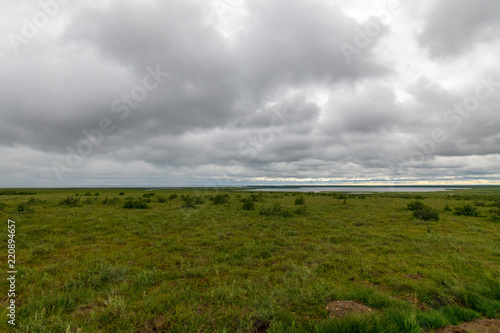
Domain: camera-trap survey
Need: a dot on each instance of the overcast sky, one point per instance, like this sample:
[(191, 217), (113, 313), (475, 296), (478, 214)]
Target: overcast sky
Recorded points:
[(231, 92)]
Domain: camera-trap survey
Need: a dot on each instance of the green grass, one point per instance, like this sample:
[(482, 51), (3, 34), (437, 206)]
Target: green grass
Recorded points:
[(197, 261)]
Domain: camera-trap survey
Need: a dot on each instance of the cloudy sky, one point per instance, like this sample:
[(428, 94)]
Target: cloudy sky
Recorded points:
[(231, 92)]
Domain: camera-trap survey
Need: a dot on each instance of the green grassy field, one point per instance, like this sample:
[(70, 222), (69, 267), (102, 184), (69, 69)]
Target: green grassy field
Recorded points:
[(197, 261)]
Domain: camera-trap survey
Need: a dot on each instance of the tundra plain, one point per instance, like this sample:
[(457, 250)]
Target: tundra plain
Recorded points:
[(207, 260)]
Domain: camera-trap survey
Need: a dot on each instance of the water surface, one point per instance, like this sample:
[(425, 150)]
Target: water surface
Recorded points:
[(357, 189)]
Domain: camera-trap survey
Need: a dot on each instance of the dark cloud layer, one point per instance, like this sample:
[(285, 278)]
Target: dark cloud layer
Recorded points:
[(455, 27), (268, 96)]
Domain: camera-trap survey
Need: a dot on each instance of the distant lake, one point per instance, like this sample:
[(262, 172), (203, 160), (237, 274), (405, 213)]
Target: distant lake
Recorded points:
[(363, 189)]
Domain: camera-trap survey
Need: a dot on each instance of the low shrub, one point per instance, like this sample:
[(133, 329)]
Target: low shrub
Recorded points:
[(70, 201), (423, 212), (35, 201), (111, 201), (426, 214), (300, 200), (466, 210), (275, 210), (135, 204), (24, 208), (191, 202), (219, 199), (248, 204), (416, 205), (256, 197)]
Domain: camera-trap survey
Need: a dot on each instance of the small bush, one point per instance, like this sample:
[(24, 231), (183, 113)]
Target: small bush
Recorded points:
[(135, 204), (255, 197), (121, 193), (275, 210), (148, 195), (70, 201), (173, 196), (466, 210), (300, 201), (447, 208), (416, 205), (35, 201), (96, 194), (162, 199), (220, 199), (88, 194), (426, 214), (24, 208), (191, 202), (111, 201), (248, 205), (422, 212)]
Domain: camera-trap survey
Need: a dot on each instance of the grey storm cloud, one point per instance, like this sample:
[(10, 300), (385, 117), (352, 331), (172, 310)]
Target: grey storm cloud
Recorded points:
[(454, 27), (176, 93)]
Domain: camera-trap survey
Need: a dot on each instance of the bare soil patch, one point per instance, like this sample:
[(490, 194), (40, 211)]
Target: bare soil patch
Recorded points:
[(476, 326), (156, 324), (85, 310), (260, 326), (338, 309)]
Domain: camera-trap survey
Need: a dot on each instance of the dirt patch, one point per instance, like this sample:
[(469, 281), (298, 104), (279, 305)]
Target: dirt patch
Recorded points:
[(85, 310), (341, 308), (477, 326), (260, 326), (156, 324)]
